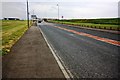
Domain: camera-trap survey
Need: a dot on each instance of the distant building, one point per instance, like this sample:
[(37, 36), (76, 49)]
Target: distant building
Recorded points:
[(11, 18), (34, 18)]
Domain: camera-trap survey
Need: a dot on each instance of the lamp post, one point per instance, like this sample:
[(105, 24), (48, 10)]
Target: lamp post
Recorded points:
[(58, 11), (27, 14)]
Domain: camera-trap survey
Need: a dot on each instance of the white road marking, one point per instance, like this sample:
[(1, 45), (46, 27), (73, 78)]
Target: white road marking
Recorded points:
[(71, 34), (68, 75)]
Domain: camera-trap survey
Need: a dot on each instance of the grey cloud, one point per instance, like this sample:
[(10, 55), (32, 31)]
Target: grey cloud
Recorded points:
[(82, 9), (14, 9)]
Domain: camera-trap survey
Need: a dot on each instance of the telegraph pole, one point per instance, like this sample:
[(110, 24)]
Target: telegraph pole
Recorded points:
[(27, 14), (58, 11)]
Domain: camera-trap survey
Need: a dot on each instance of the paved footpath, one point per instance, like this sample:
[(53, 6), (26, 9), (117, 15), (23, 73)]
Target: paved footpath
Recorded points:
[(30, 57)]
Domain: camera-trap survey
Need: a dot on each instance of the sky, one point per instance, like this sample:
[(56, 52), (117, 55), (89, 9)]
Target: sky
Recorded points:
[(69, 9)]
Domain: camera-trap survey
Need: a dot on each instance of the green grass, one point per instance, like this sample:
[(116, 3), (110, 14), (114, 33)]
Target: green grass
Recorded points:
[(11, 32), (112, 21), (111, 24)]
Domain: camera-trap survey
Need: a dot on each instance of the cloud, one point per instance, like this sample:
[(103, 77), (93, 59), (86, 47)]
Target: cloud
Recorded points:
[(44, 9), (60, 0), (119, 9), (90, 10), (14, 9), (67, 8)]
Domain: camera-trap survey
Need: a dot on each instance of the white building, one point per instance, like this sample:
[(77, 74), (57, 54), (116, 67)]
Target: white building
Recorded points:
[(34, 18)]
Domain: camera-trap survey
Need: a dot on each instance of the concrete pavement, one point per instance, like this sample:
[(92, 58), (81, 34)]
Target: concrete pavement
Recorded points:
[(30, 57)]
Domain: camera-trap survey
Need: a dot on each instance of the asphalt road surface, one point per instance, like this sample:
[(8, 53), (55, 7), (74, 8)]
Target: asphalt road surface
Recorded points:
[(84, 56)]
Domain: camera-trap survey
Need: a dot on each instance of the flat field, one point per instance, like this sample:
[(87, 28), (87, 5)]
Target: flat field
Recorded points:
[(12, 30), (109, 23)]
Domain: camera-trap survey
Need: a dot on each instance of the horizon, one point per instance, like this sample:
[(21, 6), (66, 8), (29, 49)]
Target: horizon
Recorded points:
[(63, 19)]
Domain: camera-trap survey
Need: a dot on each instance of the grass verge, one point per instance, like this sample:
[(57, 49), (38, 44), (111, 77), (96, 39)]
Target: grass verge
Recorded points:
[(12, 30), (90, 24)]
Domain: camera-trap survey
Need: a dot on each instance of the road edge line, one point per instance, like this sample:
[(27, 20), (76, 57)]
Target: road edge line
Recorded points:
[(64, 71)]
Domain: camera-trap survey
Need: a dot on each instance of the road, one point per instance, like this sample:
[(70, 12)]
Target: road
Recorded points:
[(83, 55)]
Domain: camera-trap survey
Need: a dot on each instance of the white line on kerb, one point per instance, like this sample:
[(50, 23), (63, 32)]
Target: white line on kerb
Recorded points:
[(57, 59)]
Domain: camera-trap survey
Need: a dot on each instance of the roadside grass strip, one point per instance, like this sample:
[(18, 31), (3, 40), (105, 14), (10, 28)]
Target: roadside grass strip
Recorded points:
[(114, 42), (11, 32), (90, 25)]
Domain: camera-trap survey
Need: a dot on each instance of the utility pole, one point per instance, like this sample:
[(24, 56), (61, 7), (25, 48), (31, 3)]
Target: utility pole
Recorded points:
[(58, 11), (27, 14)]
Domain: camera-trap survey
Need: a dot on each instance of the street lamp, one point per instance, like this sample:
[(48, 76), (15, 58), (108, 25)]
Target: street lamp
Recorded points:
[(58, 11)]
